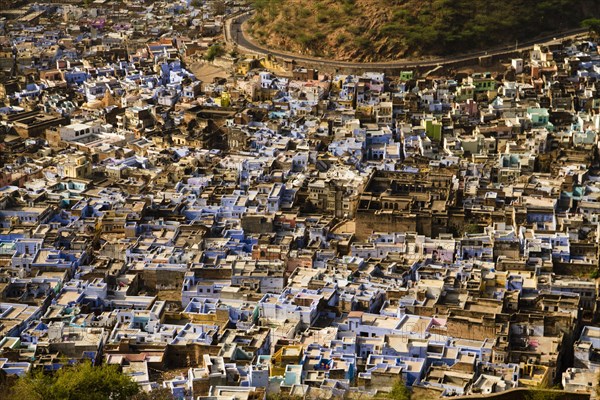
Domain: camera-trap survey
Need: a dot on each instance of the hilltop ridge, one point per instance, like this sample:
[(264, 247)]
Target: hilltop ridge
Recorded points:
[(378, 30)]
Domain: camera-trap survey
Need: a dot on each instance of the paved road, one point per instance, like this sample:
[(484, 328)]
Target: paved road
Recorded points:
[(235, 33)]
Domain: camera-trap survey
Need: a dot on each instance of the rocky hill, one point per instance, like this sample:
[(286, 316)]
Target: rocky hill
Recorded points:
[(375, 30)]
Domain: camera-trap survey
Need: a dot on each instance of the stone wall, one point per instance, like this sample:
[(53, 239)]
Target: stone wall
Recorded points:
[(188, 355)]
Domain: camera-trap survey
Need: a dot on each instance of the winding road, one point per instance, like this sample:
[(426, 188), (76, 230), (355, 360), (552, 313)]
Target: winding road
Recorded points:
[(235, 33)]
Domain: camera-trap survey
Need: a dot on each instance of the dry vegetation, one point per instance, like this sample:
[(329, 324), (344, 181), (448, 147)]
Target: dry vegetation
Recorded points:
[(371, 30)]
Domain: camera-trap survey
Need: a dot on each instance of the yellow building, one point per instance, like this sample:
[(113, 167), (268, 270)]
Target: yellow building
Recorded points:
[(287, 355)]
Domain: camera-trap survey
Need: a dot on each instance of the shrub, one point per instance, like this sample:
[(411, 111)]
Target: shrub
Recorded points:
[(82, 381), (214, 51)]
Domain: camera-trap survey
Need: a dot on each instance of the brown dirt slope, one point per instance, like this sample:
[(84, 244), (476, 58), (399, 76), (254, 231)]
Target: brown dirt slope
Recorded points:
[(376, 30)]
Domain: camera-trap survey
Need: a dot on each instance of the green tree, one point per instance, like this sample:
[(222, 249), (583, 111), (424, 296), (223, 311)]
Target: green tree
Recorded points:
[(592, 24), (218, 7), (82, 382), (399, 391), (471, 228), (214, 51), (156, 394)]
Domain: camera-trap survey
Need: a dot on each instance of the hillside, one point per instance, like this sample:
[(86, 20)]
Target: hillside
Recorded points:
[(376, 30)]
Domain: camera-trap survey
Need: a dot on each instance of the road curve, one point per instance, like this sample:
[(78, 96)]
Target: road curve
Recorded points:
[(236, 34)]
